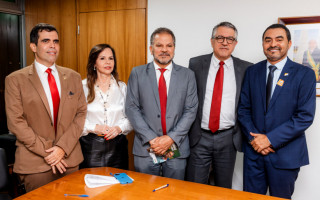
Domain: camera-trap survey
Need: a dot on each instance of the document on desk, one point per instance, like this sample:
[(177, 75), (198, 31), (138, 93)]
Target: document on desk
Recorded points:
[(93, 181)]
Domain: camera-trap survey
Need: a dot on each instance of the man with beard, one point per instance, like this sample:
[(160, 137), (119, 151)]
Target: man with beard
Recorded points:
[(161, 105), (277, 104)]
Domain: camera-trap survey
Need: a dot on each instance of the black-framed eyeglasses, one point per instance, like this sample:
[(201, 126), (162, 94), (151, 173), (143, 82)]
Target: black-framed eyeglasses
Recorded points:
[(221, 39)]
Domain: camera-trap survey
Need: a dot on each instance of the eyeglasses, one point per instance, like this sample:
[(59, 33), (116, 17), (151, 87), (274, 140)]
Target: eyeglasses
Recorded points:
[(221, 39)]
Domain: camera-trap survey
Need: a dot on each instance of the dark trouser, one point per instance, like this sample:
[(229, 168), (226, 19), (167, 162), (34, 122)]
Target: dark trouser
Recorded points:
[(98, 152), (216, 150), (34, 181), (260, 174), (174, 168)]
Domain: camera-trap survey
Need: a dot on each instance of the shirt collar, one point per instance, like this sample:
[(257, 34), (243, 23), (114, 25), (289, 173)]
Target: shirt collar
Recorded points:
[(42, 68), (279, 65), (169, 67), (216, 61)]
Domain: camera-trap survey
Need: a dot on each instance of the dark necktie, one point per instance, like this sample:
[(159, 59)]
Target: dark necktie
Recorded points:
[(215, 109), (163, 100), (272, 68), (54, 95)]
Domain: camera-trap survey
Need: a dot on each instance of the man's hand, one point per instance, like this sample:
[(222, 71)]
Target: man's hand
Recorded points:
[(260, 142), (267, 150), (61, 166), (161, 144), (55, 156)]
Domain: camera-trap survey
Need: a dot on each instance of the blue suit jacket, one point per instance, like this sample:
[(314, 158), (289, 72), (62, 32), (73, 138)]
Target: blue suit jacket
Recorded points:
[(291, 111)]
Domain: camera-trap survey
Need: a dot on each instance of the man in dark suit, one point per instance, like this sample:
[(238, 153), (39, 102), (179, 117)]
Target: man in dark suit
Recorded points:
[(46, 110), (215, 136), (277, 104), (161, 105)]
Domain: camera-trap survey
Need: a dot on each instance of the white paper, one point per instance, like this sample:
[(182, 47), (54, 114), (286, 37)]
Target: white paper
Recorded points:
[(93, 181)]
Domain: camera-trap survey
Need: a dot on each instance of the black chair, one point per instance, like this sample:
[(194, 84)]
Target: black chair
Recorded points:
[(3, 175)]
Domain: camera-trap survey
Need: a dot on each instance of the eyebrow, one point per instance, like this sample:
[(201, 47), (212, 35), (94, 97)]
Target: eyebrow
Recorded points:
[(278, 37)]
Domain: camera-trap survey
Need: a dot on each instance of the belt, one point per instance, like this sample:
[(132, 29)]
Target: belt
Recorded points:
[(217, 132)]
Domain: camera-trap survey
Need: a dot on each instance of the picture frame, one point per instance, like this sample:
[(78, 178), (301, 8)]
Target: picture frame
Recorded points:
[(305, 37)]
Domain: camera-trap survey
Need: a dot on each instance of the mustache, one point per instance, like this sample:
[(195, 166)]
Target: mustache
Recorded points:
[(164, 54), (274, 48)]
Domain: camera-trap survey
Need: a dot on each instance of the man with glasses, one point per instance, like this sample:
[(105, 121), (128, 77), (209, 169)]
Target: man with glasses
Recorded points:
[(215, 136)]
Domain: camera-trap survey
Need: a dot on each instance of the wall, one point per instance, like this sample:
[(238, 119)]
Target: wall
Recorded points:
[(192, 22)]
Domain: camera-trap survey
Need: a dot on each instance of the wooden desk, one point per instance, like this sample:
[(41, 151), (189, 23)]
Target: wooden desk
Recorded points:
[(141, 188)]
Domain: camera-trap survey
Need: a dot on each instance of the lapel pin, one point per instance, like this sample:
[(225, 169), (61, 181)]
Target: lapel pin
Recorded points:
[(286, 74), (280, 82)]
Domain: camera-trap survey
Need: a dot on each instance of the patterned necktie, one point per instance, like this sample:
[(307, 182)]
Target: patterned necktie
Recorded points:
[(54, 95), (163, 100), (216, 100), (272, 68)]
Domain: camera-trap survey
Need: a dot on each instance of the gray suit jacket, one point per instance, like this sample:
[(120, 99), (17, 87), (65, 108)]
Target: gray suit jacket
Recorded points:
[(200, 65), (143, 107)]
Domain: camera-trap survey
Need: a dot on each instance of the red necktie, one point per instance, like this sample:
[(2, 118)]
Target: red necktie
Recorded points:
[(55, 96), (163, 100), (216, 100)]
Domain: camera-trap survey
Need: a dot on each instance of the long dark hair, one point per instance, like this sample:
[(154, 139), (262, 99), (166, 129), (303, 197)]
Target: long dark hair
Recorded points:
[(92, 73)]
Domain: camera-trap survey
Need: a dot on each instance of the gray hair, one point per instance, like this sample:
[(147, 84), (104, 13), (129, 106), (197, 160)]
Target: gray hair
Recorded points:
[(224, 24), (162, 30)]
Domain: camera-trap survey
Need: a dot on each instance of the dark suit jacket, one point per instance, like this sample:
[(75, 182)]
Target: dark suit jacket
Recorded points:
[(29, 118), (200, 65), (143, 107), (290, 112)]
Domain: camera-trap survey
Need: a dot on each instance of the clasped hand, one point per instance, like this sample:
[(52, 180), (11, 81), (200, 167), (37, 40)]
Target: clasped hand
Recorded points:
[(261, 144), (161, 144), (109, 132), (55, 159)]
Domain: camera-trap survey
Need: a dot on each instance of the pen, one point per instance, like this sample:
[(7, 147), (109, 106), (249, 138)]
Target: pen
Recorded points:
[(159, 188), (77, 195)]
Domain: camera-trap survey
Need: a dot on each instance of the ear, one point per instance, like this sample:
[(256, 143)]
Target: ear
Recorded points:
[(33, 47), (290, 43), (150, 48)]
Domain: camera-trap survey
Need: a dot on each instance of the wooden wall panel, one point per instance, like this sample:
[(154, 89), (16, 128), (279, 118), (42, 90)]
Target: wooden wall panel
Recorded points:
[(61, 14), (107, 5), (124, 30)]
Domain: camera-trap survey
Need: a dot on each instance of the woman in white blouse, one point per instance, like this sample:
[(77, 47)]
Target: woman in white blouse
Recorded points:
[(103, 140)]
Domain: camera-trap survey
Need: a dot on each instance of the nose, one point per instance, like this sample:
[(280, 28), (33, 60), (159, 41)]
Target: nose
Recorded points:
[(164, 49), (52, 44), (225, 41), (273, 43)]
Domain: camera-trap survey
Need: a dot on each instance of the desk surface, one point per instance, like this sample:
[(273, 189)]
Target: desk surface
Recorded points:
[(141, 188)]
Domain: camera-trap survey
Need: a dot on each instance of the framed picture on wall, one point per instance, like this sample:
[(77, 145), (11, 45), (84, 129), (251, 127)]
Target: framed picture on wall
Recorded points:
[(305, 36)]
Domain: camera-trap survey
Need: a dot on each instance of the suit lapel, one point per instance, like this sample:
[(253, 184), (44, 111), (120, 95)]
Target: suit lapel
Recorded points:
[(64, 90), (172, 87), (286, 72), (153, 82), (238, 75), (262, 74), (35, 80), (205, 66)]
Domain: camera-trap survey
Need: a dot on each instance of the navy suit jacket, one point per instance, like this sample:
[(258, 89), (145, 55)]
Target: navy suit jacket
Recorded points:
[(290, 112)]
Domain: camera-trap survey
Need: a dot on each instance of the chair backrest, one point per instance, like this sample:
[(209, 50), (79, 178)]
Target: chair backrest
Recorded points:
[(3, 169)]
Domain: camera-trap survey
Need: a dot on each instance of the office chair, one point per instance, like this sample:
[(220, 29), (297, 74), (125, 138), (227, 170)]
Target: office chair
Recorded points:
[(3, 175)]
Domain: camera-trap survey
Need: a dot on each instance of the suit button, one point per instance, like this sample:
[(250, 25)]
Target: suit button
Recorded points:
[(158, 116), (160, 130)]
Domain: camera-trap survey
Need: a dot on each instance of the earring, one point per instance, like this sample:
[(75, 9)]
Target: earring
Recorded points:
[(94, 67)]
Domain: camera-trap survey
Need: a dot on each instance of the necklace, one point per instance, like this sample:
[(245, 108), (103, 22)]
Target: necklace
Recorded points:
[(105, 102)]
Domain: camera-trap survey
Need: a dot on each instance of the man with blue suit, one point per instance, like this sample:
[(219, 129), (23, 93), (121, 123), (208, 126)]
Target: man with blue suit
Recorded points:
[(277, 104), (161, 105)]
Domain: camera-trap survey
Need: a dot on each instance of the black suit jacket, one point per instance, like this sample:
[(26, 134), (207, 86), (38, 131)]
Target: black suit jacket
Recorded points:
[(200, 65)]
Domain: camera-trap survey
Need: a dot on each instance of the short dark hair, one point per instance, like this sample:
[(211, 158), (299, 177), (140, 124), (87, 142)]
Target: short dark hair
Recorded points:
[(224, 24), (34, 34), (162, 30), (273, 26)]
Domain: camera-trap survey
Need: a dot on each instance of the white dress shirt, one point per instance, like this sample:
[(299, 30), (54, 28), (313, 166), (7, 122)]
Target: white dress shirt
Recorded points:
[(276, 73), (43, 75), (227, 113), (166, 74), (115, 114)]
